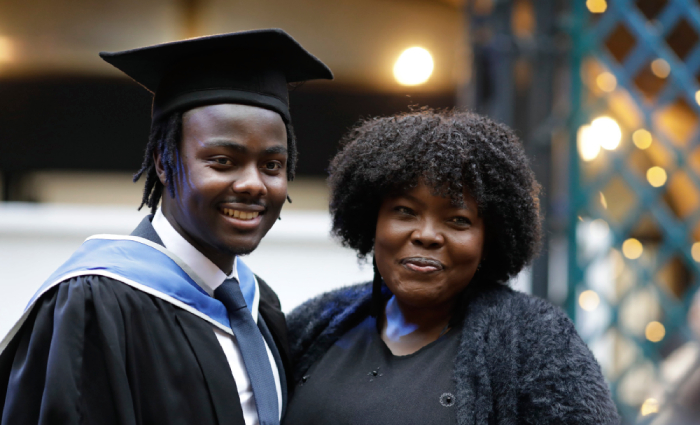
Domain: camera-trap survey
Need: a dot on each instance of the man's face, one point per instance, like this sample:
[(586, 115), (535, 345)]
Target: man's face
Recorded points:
[(231, 179)]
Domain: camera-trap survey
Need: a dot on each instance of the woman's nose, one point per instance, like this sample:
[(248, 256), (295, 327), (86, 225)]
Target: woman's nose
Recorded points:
[(427, 235)]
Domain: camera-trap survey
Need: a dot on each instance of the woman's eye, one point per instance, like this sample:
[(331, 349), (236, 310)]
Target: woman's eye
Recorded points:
[(403, 210), (462, 221)]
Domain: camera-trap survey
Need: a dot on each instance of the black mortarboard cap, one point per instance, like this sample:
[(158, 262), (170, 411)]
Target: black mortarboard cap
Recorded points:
[(249, 67)]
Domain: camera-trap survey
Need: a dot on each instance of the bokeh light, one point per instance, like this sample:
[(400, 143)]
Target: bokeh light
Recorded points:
[(589, 300), (655, 331), (596, 6), (656, 176), (6, 51), (695, 251), (632, 248), (607, 132), (650, 405), (603, 201), (697, 97), (642, 138), (413, 67), (606, 81), (588, 146), (660, 68)]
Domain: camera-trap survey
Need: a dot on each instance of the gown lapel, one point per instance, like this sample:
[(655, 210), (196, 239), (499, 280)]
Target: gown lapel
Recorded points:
[(210, 356), (213, 364), (265, 331)]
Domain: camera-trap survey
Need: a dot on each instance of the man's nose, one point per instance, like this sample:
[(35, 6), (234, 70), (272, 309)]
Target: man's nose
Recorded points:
[(249, 181)]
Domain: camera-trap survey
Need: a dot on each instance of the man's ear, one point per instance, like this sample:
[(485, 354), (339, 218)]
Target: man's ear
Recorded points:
[(160, 171)]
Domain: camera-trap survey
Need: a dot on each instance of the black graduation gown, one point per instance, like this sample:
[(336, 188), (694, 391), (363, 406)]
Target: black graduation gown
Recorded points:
[(97, 351)]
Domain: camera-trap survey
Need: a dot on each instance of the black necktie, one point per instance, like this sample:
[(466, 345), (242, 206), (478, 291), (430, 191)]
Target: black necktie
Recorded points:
[(252, 346)]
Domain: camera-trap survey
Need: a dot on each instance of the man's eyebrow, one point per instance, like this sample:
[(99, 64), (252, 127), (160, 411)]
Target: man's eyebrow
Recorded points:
[(226, 144), (276, 150), (244, 149)]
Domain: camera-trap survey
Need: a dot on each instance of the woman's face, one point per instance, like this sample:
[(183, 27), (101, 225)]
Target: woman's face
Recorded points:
[(427, 249)]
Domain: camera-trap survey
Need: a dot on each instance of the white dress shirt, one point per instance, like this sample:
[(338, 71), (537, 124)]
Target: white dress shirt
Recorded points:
[(212, 276)]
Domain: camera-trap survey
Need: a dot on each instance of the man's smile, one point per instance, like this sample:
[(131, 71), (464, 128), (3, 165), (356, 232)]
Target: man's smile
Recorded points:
[(243, 215)]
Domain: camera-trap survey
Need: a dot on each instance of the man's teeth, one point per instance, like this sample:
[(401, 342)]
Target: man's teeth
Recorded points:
[(243, 215)]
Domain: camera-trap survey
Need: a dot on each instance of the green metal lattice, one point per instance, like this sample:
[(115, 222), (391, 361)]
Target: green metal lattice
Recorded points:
[(635, 301)]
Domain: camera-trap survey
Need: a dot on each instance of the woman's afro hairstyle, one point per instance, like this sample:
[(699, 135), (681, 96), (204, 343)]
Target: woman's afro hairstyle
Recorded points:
[(451, 151)]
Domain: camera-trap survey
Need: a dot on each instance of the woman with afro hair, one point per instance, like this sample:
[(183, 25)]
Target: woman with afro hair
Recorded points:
[(447, 207)]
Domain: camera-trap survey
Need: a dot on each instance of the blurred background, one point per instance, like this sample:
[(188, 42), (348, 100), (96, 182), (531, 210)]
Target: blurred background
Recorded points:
[(604, 94)]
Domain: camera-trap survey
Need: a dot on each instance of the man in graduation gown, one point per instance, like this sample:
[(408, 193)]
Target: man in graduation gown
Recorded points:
[(167, 325)]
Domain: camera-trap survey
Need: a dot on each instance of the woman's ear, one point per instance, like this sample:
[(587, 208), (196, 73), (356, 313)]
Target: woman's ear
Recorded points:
[(160, 171)]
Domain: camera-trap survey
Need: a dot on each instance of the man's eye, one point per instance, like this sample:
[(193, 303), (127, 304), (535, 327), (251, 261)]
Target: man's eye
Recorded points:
[(222, 161), (273, 165)]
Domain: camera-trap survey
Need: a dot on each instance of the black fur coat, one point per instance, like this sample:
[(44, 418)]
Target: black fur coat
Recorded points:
[(520, 360)]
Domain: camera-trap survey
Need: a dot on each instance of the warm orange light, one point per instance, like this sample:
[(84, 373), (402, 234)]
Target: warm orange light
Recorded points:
[(596, 6), (413, 67), (607, 131), (695, 251), (588, 145), (6, 51), (632, 248), (655, 331), (606, 81), (656, 176), (642, 139), (650, 405), (660, 68)]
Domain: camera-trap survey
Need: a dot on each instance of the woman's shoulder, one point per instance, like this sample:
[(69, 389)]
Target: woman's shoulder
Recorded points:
[(331, 303), (529, 313)]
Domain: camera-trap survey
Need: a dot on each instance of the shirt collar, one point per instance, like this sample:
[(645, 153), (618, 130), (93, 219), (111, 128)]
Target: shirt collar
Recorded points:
[(210, 273)]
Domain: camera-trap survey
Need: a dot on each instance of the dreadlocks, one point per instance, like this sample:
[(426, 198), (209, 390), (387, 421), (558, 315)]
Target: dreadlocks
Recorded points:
[(165, 138)]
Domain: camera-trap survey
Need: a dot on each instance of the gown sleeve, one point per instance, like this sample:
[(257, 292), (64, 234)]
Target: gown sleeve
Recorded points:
[(64, 366)]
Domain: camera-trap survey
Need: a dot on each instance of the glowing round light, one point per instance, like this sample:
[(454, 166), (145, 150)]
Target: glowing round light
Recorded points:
[(650, 405), (596, 6), (6, 51), (588, 300), (632, 248), (695, 251), (413, 67), (642, 139), (657, 176), (655, 331), (606, 81), (660, 68), (607, 132), (697, 97), (588, 145)]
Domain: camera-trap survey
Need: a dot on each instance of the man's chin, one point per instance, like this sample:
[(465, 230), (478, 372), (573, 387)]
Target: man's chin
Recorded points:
[(240, 249)]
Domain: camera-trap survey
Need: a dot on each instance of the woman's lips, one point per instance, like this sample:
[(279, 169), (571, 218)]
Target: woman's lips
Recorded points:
[(422, 264)]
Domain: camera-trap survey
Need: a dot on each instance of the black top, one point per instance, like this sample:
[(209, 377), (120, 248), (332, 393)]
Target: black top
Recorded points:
[(359, 381)]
